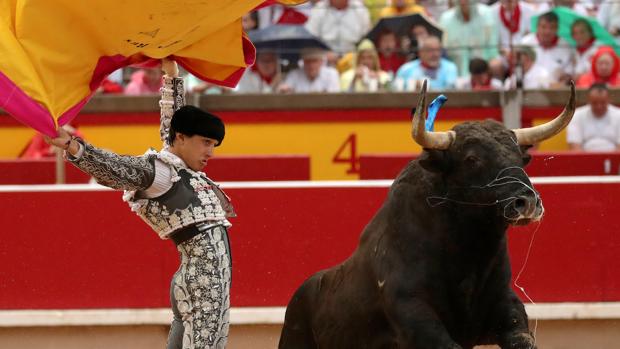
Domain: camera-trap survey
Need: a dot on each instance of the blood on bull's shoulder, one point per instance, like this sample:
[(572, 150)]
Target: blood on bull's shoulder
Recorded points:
[(432, 269)]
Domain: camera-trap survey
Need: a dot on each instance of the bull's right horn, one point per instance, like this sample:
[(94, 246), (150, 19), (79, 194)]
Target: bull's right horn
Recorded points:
[(536, 134), (427, 139)]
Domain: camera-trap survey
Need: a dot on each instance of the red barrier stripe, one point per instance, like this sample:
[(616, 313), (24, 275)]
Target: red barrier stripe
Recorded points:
[(85, 249), (224, 168), (382, 166)]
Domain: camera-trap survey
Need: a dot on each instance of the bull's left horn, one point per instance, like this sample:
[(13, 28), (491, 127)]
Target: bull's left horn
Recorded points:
[(427, 139), (536, 134)]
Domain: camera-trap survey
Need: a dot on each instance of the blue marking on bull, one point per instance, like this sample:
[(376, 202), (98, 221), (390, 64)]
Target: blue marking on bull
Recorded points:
[(433, 108)]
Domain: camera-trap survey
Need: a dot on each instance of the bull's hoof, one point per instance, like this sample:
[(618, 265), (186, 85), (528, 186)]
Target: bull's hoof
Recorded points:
[(519, 341)]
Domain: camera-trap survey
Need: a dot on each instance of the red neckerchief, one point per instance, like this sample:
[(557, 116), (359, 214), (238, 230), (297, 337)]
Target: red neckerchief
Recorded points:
[(512, 23), (585, 47), (553, 43), (290, 16), (392, 62), (266, 79)]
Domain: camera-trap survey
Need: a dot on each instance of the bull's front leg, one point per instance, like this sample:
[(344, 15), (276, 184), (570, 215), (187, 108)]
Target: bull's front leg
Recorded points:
[(415, 322), (513, 331)]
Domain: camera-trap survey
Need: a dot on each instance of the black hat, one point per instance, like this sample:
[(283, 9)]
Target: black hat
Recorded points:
[(190, 121)]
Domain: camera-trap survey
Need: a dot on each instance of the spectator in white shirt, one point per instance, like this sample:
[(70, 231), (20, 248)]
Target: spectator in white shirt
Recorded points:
[(339, 23), (263, 77), (529, 74), (586, 46), (515, 21), (469, 30), (595, 126), (313, 76), (552, 52)]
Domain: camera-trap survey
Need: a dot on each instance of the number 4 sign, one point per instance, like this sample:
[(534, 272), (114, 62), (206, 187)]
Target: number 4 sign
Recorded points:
[(347, 154)]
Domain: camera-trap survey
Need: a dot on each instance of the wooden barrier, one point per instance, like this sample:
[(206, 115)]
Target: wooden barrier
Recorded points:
[(543, 164), (80, 247), (225, 168)]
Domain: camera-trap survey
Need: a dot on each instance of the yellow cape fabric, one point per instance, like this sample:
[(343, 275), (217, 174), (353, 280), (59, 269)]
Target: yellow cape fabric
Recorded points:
[(50, 50)]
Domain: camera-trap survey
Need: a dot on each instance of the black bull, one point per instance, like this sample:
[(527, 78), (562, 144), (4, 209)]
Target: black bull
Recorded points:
[(432, 269)]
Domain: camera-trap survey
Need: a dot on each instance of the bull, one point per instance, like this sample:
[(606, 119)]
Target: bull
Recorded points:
[(431, 269)]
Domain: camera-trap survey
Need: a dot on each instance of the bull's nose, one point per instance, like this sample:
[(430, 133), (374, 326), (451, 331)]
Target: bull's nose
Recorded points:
[(527, 206)]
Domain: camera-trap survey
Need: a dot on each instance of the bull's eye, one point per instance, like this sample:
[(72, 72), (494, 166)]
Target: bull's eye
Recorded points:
[(472, 160)]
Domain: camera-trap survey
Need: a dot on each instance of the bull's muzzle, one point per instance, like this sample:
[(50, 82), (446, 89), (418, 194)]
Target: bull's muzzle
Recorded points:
[(526, 208)]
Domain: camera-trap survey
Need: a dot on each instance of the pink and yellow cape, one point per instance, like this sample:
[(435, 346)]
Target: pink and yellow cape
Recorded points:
[(54, 54)]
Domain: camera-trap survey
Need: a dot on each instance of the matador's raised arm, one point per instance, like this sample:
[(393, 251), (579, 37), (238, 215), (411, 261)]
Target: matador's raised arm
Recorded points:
[(172, 97), (133, 172)]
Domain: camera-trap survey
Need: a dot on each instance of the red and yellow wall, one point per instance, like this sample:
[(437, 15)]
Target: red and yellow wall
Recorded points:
[(333, 139)]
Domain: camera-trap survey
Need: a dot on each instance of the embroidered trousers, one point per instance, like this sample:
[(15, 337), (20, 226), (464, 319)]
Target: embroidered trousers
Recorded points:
[(200, 292)]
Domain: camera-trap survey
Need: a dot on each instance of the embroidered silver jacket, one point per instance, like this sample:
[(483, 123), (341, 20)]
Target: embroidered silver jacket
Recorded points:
[(193, 197)]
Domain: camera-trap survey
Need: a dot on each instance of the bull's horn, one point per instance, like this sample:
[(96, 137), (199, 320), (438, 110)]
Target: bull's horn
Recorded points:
[(427, 139), (536, 134)]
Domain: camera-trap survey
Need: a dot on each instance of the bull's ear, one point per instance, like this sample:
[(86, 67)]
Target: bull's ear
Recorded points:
[(434, 160), (525, 155)]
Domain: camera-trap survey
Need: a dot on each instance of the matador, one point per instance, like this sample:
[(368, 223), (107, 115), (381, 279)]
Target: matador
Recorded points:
[(169, 191)]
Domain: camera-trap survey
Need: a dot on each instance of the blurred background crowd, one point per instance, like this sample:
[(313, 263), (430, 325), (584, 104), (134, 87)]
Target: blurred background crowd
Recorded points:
[(392, 45)]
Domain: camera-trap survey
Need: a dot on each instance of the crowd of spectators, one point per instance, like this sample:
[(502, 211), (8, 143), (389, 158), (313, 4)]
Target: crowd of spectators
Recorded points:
[(484, 45)]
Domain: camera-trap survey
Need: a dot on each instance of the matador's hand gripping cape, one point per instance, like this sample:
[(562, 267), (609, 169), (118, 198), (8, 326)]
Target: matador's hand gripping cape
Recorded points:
[(54, 54)]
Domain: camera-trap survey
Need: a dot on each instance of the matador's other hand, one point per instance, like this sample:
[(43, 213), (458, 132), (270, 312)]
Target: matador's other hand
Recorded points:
[(169, 67), (61, 141)]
